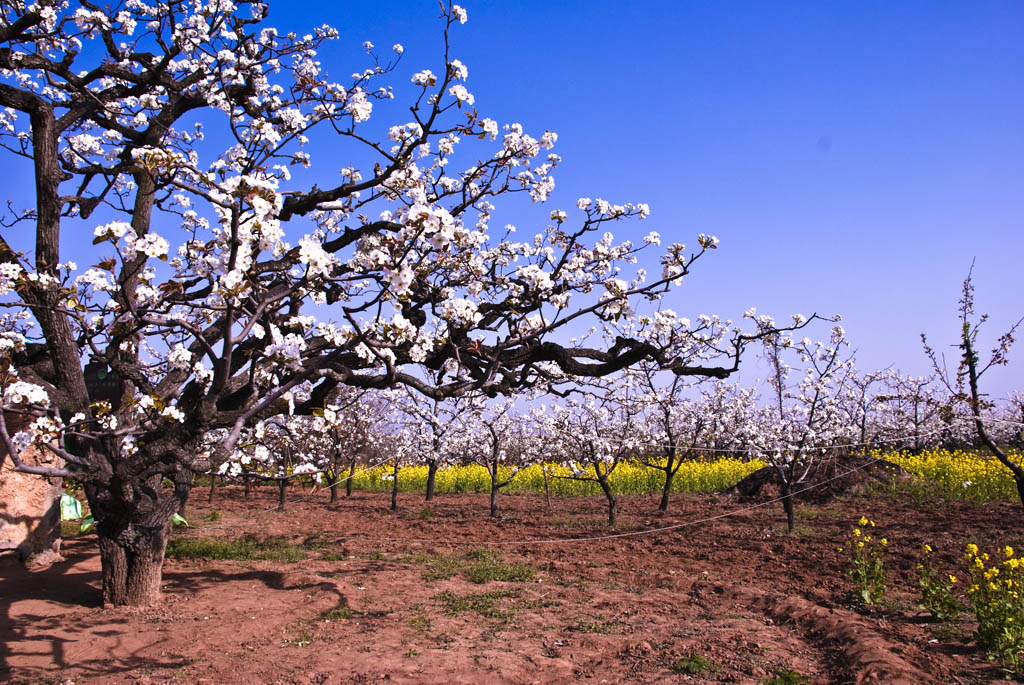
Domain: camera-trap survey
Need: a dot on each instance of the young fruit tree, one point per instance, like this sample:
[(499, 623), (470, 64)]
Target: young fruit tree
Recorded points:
[(347, 430), (231, 281), (965, 386), (435, 425), (680, 429), (278, 450), (594, 434), (499, 439), (804, 420), (910, 413)]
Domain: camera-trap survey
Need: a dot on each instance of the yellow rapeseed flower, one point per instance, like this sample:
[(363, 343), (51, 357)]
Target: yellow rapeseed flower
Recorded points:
[(863, 521), (972, 550), (927, 549), (1008, 551)]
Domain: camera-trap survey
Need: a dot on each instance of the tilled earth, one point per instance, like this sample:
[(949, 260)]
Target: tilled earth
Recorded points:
[(418, 595)]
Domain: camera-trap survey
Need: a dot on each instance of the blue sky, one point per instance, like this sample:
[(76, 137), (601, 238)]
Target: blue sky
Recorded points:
[(853, 158)]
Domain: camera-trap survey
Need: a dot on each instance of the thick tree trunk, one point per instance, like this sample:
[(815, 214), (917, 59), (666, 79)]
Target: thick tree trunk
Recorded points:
[(131, 576), (351, 475), (133, 524), (492, 469), (431, 477), (333, 486), (248, 486), (610, 496), (213, 486), (282, 485), (787, 505), (669, 475), (394, 489)]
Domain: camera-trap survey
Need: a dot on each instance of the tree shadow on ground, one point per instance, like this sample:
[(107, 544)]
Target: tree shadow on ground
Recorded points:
[(59, 618)]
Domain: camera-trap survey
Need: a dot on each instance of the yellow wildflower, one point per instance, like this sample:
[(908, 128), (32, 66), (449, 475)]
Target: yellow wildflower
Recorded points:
[(863, 520)]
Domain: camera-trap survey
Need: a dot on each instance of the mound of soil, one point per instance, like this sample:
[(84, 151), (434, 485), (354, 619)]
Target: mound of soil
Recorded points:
[(443, 593), (828, 479)]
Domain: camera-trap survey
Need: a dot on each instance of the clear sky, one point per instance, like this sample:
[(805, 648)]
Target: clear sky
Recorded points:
[(853, 158)]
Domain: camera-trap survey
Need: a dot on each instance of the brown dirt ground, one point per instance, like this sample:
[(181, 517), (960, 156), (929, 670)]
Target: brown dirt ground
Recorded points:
[(736, 591)]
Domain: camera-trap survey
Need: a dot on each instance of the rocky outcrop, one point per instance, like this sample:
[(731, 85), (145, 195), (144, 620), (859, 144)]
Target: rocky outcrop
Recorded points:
[(30, 509)]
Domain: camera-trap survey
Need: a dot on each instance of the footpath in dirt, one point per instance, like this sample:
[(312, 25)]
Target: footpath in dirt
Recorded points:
[(443, 593)]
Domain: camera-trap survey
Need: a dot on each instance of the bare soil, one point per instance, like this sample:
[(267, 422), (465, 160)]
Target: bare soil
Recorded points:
[(385, 596)]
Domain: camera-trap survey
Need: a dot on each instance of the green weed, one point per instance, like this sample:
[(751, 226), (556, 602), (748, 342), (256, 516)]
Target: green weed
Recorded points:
[(246, 549), (694, 664)]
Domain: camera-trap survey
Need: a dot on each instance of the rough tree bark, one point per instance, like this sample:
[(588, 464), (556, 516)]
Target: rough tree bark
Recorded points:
[(133, 524), (431, 478)]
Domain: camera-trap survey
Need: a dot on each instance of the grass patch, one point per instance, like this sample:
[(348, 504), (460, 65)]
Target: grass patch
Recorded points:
[(439, 566), (486, 566), (420, 623), (246, 549), (71, 529), (333, 556), (484, 603), (478, 565), (694, 664), (600, 627), (214, 516), (342, 614), (783, 675)]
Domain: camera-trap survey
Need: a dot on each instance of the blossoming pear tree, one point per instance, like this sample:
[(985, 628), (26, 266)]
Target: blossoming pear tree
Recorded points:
[(347, 430), (278, 450), (595, 432), (912, 412), (230, 281), (501, 440), (804, 420), (680, 428), (436, 426)]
